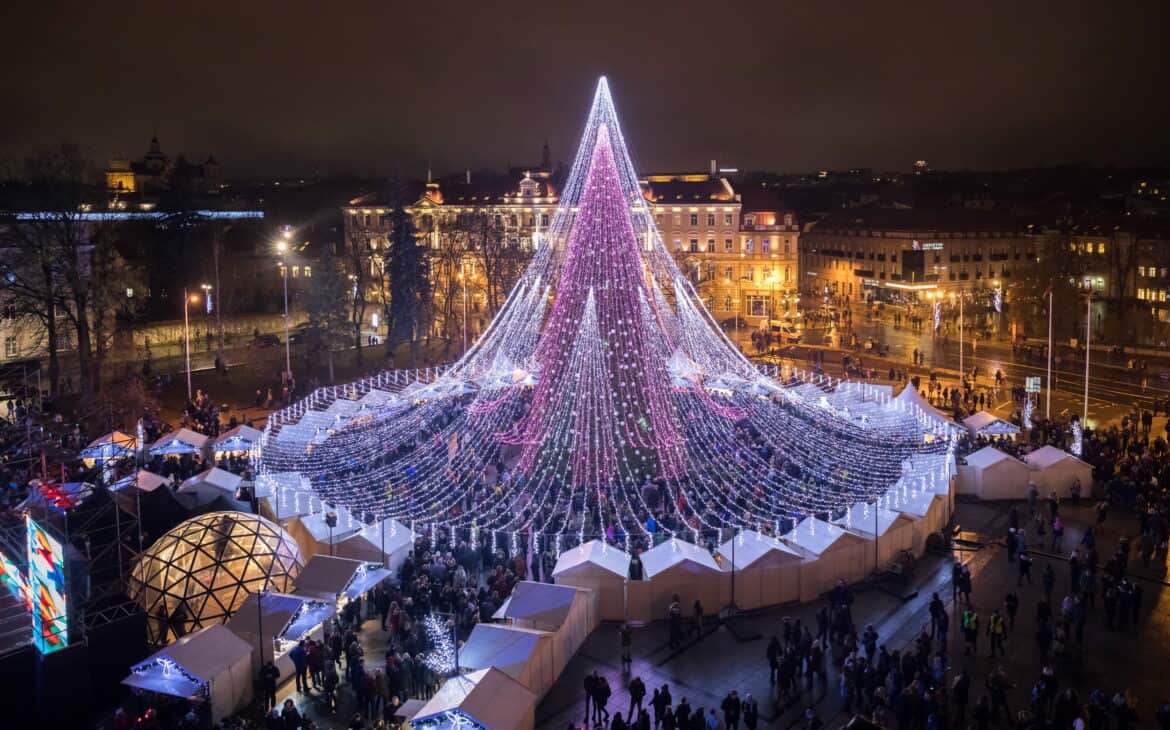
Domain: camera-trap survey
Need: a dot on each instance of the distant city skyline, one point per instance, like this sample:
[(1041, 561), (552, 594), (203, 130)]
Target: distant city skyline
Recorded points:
[(274, 89)]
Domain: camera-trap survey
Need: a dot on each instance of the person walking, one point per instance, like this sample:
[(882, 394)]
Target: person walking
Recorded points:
[(268, 676), (961, 696), (590, 686), (970, 624), (637, 689), (997, 631), (1025, 565), (731, 708), (1011, 606), (750, 712), (626, 640)]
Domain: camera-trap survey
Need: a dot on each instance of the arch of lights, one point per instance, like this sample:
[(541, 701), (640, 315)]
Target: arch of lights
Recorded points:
[(602, 394)]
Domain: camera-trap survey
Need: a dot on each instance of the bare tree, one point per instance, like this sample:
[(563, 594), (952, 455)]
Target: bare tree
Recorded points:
[(496, 252)]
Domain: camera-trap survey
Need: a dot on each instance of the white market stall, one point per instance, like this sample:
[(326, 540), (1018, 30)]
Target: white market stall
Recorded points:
[(675, 567), (145, 480), (830, 553), (283, 620), (211, 664), (894, 531), (1055, 470), (599, 566), (337, 579), (388, 542), (767, 572), (313, 533), (523, 654), (235, 441), (991, 474), (209, 484), (180, 442), (926, 508), (112, 447), (570, 613), (935, 422), (487, 697), (990, 425)]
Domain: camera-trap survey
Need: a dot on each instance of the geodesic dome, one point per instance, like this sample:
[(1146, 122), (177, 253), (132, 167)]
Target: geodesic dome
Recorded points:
[(201, 571)]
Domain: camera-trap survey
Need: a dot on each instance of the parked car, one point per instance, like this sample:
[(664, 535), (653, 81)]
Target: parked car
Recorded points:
[(264, 341)]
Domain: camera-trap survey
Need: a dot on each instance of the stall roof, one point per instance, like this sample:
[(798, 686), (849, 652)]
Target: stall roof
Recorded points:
[(119, 442), (984, 422), (396, 534), (316, 526), (1046, 456), (675, 552), (860, 518), (594, 552), (240, 436), (493, 645), (488, 696), (815, 536), (182, 441), (987, 456), (912, 397), (325, 576), (204, 654), (544, 602), (751, 546), (145, 480), (214, 477), (285, 616), (916, 504)]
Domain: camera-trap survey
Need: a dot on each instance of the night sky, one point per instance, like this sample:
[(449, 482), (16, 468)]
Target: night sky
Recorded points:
[(375, 87)]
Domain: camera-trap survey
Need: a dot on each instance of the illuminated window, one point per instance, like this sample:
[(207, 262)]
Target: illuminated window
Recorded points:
[(765, 246), (1099, 282), (678, 244), (728, 245), (1163, 272), (694, 245), (711, 220), (694, 219), (308, 272), (296, 271), (728, 272), (10, 348), (1141, 293), (710, 245), (727, 219), (749, 274), (1141, 271), (1101, 247), (748, 245)]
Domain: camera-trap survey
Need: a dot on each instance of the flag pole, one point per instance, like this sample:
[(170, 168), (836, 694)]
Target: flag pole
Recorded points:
[(1048, 394)]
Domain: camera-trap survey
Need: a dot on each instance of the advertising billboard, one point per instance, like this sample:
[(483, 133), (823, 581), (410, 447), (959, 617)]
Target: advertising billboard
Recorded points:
[(46, 582)]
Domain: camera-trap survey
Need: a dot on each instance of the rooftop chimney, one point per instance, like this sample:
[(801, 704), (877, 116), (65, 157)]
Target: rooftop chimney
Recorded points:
[(714, 168)]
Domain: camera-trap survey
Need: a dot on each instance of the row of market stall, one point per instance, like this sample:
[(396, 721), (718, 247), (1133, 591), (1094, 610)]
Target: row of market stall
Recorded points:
[(991, 474), (115, 446)]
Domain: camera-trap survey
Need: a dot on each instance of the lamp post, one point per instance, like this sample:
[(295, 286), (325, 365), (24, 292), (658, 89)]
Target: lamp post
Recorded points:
[(962, 372), (331, 522), (1088, 340), (281, 248), (207, 309), (188, 299)]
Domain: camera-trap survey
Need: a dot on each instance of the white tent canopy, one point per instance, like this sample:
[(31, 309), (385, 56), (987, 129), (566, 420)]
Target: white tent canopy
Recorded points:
[(991, 474), (182, 441), (487, 696), (568, 612), (212, 483), (601, 567), (114, 445), (212, 661), (313, 534), (523, 654), (1055, 470), (988, 424), (328, 577), (284, 620), (240, 438), (926, 508), (767, 572), (893, 531)]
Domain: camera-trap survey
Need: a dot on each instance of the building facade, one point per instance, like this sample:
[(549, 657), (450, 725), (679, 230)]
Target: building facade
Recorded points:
[(901, 255)]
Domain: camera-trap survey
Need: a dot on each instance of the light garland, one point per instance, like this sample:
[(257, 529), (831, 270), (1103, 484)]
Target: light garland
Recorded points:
[(601, 394)]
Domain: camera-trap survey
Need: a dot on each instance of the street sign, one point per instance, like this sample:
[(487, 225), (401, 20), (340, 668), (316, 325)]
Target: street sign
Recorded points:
[(1032, 384)]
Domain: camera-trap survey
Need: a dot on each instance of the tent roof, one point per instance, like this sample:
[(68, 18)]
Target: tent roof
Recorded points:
[(751, 546), (911, 396), (503, 647), (673, 552), (280, 615), (987, 456), (489, 696), (316, 526), (213, 477), (860, 519), (594, 552), (542, 602), (983, 420), (193, 440), (914, 504), (118, 439), (1047, 455), (397, 535), (815, 536), (145, 480), (205, 653), (325, 575), (242, 432)]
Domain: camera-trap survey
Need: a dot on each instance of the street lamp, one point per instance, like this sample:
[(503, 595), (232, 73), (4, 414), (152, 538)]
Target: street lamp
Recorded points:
[(331, 522), (207, 308), (187, 300), (281, 248)]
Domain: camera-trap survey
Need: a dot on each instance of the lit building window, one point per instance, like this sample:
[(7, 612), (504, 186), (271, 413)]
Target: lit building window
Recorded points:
[(710, 245), (1141, 271), (1100, 248), (728, 246), (308, 272), (727, 303), (728, 273), (10, 347), (711, 220), (694, 219), (694, 245), (296, 271)]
